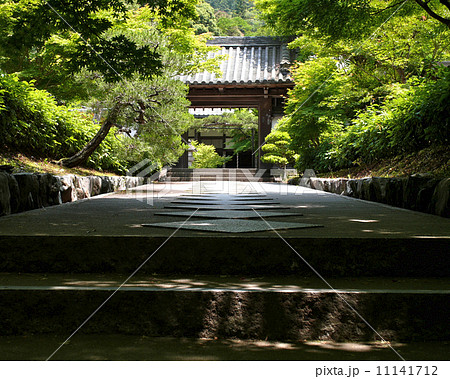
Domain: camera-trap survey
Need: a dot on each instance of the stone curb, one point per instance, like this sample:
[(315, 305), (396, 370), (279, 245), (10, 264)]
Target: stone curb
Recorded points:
[(25, 191), (419, 192)]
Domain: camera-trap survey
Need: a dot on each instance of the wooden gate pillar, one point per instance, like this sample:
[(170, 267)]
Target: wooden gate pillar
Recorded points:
[(265, 125), (183, 161)]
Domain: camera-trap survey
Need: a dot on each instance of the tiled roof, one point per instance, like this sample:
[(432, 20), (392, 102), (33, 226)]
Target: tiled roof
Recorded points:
[(251, 60)]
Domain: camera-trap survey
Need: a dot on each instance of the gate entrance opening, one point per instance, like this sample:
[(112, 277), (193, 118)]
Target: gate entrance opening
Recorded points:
[(255, 74)]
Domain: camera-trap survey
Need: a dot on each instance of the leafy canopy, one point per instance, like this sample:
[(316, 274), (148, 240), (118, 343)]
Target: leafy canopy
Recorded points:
[(144, 108), (366, 83), (28, 26), (344, 19), (152, 111)]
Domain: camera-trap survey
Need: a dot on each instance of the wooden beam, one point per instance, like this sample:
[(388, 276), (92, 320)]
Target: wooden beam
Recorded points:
[(230, 97)]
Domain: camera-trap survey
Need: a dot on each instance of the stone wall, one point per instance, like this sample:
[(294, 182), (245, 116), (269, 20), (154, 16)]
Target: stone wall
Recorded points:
[(422, 193), (25, 191)]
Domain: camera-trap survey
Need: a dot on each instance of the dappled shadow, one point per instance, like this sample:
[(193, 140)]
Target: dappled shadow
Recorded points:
[(118, 347), (246, 283)]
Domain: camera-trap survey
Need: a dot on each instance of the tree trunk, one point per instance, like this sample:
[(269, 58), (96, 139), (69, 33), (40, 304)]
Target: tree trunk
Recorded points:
[(91, 146)]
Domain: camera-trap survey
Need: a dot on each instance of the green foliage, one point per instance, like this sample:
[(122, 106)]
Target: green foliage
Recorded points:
[(153, 108), (277, 149), (230, 6), (414, 118), (237, 26), (237, 18), (241, 125), (28, 24), (324, 100), (206, 21), (245, 137), (181, 51), (32, 122), (342, 19), (156, 117), (205, 156), (367, 89), (241, 6), (328, 17)]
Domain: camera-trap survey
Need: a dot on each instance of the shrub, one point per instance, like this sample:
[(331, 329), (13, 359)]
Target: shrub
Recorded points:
[(276, 149), (31, 122), (206, 156), (415, 117)]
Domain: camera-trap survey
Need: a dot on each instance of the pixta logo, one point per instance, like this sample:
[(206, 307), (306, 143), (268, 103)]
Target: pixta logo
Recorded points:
[(143, 169), (150, 171)]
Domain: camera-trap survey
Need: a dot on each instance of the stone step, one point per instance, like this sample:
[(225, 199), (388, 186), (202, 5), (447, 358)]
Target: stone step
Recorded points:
[(223, 172), (206, 170), (120, 347), (216, 178), (218, 174), (282, 309), (213, 172), (107, 235), (196, 252)]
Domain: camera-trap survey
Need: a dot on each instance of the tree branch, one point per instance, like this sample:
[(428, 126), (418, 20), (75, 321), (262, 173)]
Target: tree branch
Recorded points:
[(122, 129), (424, 5)]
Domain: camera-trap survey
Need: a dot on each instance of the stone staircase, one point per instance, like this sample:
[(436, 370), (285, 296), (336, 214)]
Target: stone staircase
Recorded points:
[(247, 286), (265, 308), (219, 174)]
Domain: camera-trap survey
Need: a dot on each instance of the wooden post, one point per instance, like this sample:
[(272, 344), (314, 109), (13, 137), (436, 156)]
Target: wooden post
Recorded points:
[(265, 125), (254, 163), (183, 162)]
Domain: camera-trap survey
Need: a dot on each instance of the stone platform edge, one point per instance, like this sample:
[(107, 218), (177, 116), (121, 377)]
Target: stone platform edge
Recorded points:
[(25, 191), (420, 192)]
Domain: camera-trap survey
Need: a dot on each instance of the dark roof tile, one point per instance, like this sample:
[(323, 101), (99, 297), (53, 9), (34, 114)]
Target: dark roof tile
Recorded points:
[(250, 60)]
